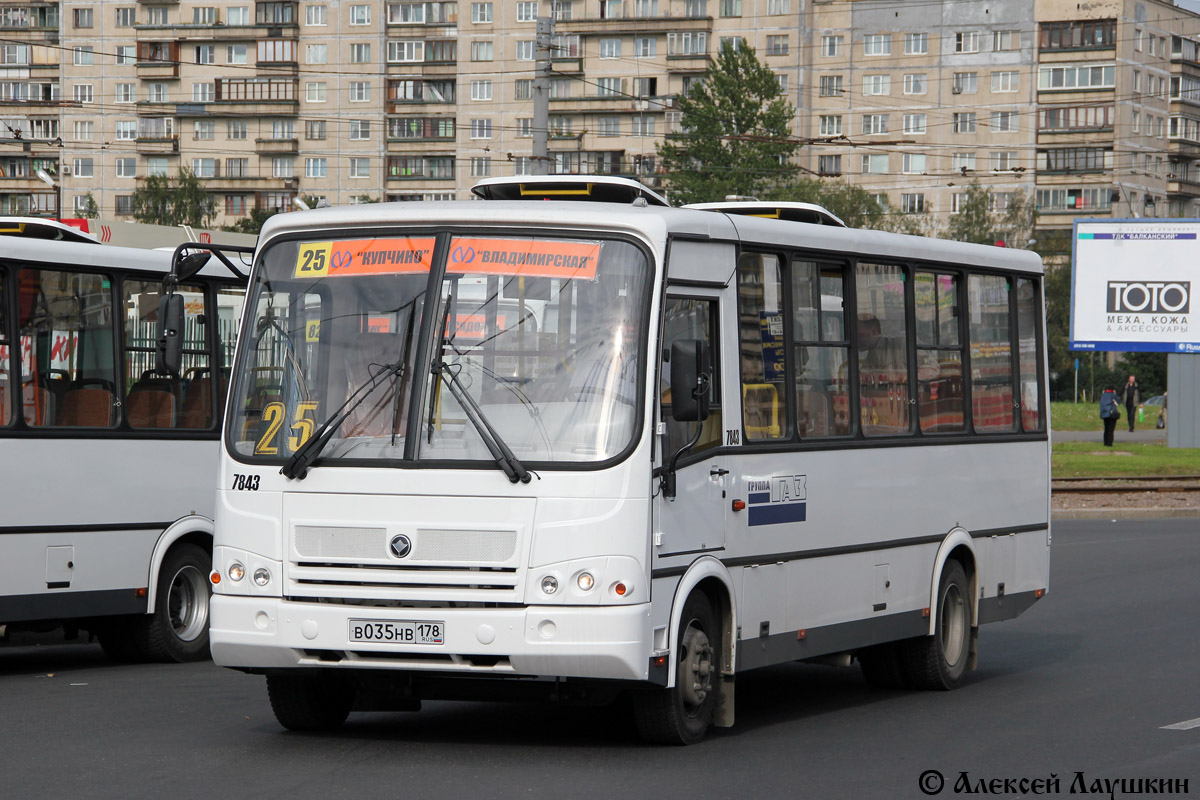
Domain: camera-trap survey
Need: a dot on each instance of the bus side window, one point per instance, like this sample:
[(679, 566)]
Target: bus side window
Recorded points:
[(153, 400), (691, 318), (821, 351), (6, 395), (883, 388), (765, 399)]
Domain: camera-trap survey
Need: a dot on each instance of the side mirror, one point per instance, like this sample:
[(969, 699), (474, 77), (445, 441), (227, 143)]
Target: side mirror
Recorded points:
[(168, 355), (691, 379)]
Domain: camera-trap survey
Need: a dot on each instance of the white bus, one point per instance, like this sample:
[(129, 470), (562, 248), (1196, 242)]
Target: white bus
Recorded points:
[(661, 448), (107, 463)]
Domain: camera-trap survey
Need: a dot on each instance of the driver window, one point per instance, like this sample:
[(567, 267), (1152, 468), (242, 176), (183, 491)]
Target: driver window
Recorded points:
[(690, 318)]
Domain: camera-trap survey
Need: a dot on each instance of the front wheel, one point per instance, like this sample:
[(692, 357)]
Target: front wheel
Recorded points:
[(178, 628), (310, 702), (939, 661), (681, 714)]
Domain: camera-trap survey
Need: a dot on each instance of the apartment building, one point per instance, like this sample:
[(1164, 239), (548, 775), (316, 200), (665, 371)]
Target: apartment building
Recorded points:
[(1091, 108)]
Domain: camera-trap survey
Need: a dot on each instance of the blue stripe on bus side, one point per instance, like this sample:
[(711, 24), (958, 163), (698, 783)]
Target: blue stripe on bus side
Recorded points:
[(758, 497), (775, 514)]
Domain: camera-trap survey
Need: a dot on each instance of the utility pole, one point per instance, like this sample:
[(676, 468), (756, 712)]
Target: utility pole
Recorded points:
[(541, 97)]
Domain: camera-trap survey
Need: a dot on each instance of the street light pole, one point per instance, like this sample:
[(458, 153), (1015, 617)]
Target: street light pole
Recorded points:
[(45, 178)]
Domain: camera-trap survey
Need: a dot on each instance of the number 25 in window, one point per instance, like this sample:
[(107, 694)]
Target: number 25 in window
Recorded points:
[(303, 425)]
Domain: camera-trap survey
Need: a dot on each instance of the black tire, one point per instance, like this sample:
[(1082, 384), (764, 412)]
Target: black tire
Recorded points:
[(177, 631), (682, 714), (310, 702), (939, 662), (883, 665), (117, 640)]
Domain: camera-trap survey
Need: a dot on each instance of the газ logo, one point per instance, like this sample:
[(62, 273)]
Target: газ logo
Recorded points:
[(400, 545), (1128, 297), (779, 498)]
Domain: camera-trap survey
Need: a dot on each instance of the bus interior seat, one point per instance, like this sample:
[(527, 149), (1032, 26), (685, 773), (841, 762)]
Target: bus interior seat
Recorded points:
[(38, 405), (87, 406), (197, 401), (150, 407), (813, 416)]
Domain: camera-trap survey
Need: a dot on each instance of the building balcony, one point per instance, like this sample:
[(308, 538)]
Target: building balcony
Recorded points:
[(632, 25), (158, 70), (1187, 186), (277, 147), (157, 146)]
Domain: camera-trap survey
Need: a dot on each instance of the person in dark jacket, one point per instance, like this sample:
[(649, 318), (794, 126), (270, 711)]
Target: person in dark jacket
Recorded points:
[(1132, 395), (1110, 412)]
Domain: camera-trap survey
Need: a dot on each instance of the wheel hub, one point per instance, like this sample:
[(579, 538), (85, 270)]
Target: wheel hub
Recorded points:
[(695, 675)]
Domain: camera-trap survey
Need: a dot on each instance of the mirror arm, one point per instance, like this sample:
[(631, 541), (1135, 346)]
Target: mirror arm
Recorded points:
[(667, 479)]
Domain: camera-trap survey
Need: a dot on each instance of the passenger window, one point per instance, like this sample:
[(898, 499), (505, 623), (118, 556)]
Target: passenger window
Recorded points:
[(821, 352), (765, 404), (1028, 314), (882, 345), (6, 394), (991, 353), (154, 400), (67, 367), (691, 318), (939, 353)]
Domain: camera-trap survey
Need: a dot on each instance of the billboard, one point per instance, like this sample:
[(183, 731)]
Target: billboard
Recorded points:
[(1131, 286)]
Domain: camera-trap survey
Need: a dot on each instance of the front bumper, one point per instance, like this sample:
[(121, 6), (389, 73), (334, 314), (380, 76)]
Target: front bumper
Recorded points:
[(608, 642)]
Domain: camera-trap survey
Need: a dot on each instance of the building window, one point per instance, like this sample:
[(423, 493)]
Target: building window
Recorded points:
[(83, 93), (647, 46), (831, 85), (963, 162), (1004, 121), (526, 50), (830, 125), (235, 129), (126, 92), (965, 83), (314, 130), (914, 83), (83, 168), (610, 126), (875, 164), (1007, 81), (158, 15), (877, 84), (360, 15), (1006, 40), (563, 9), (527, 11), (82, 17), (481, 90), (916, 43), (829, 165), (204, 16), (156, 165), (877, 44), (687, 43), (966, 42), (314, 91), (360, 92), (126, 130), (912, 203), (360, 130), (240, 16), (126, 167), (874, 124), (316, 53), (481, 167), (643, 126), (777, 45), (360, 168), (204, 167), (964, 122), (1080, 35), (316, 15), (204, 92), (481, 13), (84, 56), (522, 89), (283, 167), (481, 129), (731, 8), (831, 46), (1077, 76), (204, 129), (914, 123), (126, 17), (608, 87), (776, 7), (235, 54), (314, 167), (84, 130), (481, 51), (1004, 160), (524, 127), (235, 205), (360, 53), (126, 54), (124, 205), (913, 163), (610, 48)]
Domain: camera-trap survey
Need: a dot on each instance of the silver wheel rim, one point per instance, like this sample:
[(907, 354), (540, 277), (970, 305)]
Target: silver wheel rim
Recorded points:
[(695, 673), (954, 625), (187, 603)]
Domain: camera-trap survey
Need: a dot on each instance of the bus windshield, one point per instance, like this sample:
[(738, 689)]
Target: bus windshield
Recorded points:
[(534, 342)]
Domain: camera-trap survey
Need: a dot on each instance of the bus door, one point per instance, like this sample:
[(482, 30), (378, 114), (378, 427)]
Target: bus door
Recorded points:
[(694, 520)]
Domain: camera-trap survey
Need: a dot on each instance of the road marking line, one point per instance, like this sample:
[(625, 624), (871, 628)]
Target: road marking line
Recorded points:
[(1186, 725)]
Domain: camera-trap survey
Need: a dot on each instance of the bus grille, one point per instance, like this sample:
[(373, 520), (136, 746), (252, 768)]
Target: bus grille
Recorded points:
[(353, 565)]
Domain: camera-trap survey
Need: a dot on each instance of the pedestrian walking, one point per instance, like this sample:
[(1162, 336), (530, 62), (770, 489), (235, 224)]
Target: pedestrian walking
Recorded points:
[(1133, 397), (1110, 412)]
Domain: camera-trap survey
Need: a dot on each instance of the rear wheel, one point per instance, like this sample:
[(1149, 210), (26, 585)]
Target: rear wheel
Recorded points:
[(178, 628), (681, 714), (939, 661), (310, 702)]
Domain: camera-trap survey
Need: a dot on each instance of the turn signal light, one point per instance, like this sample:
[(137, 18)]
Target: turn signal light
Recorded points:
[(215, 577), (620, 589), (1038, 594), (738, 505)]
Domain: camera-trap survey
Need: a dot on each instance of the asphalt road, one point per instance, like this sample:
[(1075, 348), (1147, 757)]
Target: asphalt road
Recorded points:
[(1082, 683)]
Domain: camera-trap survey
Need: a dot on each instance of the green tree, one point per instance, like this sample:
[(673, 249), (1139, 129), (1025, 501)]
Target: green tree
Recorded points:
[(90, 209), (977, 222), (161, 200), (735, 136)]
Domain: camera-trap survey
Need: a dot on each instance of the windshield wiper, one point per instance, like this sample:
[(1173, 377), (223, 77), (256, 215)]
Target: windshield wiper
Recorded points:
[(298, 465), (508, 463)]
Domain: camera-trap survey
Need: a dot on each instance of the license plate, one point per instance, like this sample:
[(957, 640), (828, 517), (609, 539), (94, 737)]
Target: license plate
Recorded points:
[(378, 631)]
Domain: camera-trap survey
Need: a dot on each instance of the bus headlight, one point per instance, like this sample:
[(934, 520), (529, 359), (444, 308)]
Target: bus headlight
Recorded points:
[(549, 584), (236, 572), (585, 581), (262, 576)]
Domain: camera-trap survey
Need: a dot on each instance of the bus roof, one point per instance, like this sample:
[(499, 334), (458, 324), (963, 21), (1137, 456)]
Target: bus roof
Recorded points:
[(655, 223), (40, 228), (60, 253)]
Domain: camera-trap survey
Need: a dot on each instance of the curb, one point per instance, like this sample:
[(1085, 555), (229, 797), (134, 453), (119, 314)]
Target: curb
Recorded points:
[(1123, 513)]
